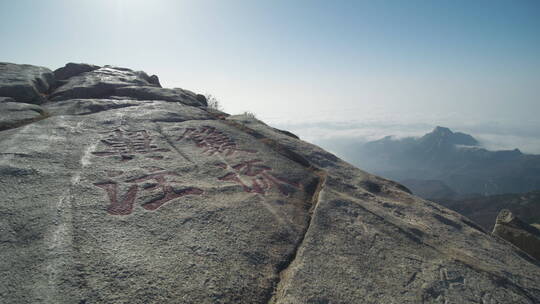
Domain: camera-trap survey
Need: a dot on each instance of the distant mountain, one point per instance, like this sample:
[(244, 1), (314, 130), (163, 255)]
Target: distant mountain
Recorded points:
[(454, 159), (483, 210)]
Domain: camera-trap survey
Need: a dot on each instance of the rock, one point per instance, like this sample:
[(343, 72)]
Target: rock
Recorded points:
[(524, 236), (116, 200), (25, 83), (154, 93), (287, 133), (154, 80), (15, 114), (6, 99), (161, 110), (73, 69), (100, 83), (202, 99)]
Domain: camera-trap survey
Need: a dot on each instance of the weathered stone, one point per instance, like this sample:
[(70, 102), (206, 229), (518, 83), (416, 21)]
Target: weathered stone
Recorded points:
[(6, 99), (154, 93), (16, 114), (524, 236), (154, 80), (202, 99), (73, 69), (161, 110), (118, 200), (25, 83), (100, 83)]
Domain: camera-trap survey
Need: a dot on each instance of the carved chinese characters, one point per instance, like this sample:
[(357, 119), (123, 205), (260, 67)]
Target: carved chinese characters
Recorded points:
[(126, 144), (259, 177), (156, 186), (212, 141), (119, 206), (124, 205), (168, 192), (253, 175)]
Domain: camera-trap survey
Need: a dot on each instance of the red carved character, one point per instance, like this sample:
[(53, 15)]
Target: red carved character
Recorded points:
[(169, 193), (261, 180), (212, 141), (124, 205), (125, 143)]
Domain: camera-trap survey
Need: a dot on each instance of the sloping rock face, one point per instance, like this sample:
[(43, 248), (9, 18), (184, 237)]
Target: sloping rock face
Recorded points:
[(524, 236), (15, 114), (100, 83), (25, 83), (122, 200), (73, 69)]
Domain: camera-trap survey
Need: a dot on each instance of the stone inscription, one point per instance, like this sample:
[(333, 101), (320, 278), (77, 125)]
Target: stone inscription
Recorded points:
[(122, 206), (150, 182), (253, 175), (258, 176), (167, 190), (126, 143), (212, 141)]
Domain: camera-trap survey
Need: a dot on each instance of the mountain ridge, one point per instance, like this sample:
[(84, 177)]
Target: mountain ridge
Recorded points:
[(454, 158)]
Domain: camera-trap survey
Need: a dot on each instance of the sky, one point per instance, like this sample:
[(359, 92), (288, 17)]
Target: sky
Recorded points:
[(387, 66)]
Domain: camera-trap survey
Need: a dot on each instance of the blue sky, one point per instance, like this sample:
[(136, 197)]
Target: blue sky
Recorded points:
[(416, 61)]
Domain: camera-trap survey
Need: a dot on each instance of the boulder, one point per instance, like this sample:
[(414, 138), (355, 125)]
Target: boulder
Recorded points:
[(15, 114), (100, 83), (116, 200), (73, 69), (153, 93), (25, 83), (524, 236)]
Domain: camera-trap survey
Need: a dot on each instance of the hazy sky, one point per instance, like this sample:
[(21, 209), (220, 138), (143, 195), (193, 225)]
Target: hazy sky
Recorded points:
[(410, 61)]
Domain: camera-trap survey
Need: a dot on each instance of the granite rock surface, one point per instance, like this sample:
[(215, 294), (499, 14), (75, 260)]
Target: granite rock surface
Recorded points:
[(524, 236), (25, 83), (100, 83), (122, 199)]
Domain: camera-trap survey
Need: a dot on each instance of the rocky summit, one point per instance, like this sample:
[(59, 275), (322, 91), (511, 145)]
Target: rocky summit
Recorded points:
[(116, 190)]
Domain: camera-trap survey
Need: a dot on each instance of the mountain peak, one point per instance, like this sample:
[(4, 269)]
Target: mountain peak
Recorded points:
[(442, 130), (446, 136)]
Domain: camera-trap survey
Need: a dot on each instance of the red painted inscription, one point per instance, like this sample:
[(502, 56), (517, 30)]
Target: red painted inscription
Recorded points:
[(126, 143), (168, 192), (212, 141), (260, 180), (124, 205)]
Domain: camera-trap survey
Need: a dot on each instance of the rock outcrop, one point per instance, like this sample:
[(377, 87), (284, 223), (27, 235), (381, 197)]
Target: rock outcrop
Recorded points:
[(15, 114), (73, 69), (522, 235), (115, 198), (25, 83)]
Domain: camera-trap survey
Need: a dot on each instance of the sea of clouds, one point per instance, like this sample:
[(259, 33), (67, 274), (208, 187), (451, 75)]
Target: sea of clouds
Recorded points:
[(492, 135)]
